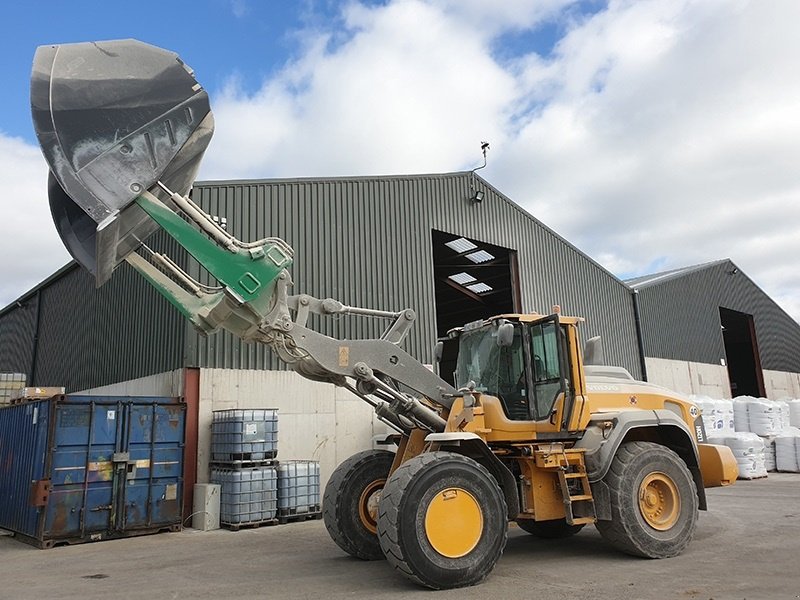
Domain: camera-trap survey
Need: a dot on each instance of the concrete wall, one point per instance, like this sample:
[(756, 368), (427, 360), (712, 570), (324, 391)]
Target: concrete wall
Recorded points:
[(780, 384), (712, 380), (316, 421), (689, 378), (161, 384)]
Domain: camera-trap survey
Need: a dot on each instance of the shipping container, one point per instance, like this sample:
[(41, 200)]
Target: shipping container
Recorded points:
[(86, 468)]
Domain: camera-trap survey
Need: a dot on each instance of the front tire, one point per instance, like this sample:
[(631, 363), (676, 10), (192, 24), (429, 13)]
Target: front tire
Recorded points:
[(350, 503), (653, 501), (442, 520)]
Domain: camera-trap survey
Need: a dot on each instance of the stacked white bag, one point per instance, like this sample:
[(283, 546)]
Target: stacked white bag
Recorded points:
[(787, 450), (764, 435), (758, 415), (717, 415), (772, 420), (748, 449), (770, 456)]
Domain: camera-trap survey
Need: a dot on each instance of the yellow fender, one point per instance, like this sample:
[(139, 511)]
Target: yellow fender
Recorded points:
[(717, 465)]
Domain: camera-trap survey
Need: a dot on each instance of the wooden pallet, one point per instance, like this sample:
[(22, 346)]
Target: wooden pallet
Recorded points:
[(243, 464), (300, 517), (253, 525)]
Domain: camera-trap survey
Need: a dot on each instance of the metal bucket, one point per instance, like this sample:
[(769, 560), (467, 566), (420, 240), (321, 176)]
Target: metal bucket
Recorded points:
[(113, 118)]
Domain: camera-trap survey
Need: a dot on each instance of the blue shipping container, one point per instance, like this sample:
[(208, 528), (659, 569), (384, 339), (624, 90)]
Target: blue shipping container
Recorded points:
[(81, 468)]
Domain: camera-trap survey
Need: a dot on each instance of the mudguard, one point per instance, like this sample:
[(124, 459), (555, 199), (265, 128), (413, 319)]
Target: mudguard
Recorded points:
[(606, 431)]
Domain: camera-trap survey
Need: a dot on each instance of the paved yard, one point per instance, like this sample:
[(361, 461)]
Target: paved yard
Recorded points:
[(747, 546)]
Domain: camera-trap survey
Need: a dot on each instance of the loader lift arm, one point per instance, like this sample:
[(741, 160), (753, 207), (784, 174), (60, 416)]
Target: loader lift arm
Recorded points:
[(253, 303), (123, 126)]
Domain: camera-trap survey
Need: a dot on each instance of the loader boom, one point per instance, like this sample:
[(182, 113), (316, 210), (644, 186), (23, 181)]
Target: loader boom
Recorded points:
[(123, 126)]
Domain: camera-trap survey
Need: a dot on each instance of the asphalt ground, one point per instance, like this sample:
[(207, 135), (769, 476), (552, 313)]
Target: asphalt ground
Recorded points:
[(746, 546)]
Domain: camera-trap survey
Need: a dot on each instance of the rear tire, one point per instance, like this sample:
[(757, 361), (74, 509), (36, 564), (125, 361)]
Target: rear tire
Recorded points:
[(443, 520), (653, 501), (549, 530), (350, 503)]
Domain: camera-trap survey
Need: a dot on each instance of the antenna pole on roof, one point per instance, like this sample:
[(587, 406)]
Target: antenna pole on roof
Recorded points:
[(477, 196), (484, 148)]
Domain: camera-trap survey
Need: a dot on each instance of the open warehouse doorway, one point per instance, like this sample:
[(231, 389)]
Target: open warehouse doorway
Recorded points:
[(741, 351), (474, 280)]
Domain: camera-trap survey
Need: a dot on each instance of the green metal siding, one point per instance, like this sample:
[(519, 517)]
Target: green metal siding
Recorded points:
[(17, 327), (364, 241), (681, 321), (367, 242), (89, 337)]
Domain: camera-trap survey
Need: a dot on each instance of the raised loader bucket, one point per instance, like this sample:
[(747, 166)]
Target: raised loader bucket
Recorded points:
[(113, 118)]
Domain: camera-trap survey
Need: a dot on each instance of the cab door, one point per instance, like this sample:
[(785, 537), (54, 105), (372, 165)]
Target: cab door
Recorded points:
[(551, 375)]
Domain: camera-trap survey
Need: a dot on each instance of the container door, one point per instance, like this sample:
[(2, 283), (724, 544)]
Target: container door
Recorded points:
[(24, 444), (82, 496), (153, 478)]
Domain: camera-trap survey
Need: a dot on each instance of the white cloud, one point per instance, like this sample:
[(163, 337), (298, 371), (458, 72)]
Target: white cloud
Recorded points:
[(678, 143), (239, 8), (655, 133), (30, 248), (411, 90)]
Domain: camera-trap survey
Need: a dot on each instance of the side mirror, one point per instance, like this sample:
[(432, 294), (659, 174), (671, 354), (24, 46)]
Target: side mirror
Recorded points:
[(438, 350), (505, 334)]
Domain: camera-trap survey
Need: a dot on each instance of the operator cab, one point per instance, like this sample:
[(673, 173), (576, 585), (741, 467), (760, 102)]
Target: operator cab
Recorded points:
[(523, 363)]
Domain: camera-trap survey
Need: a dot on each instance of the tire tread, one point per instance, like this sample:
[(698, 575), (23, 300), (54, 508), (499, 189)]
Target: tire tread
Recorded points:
[(616, 531)]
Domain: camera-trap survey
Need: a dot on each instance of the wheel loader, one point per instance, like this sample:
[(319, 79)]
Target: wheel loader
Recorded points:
[(514, 428)]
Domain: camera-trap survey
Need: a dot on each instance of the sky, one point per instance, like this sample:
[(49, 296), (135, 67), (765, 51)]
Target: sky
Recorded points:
[(652, 134)]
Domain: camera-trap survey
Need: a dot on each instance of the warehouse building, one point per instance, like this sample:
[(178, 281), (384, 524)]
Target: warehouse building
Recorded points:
[(449, 246), (709, 330)]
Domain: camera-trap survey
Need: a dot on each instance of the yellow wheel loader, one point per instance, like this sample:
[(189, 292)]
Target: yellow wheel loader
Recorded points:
[(515, 427)]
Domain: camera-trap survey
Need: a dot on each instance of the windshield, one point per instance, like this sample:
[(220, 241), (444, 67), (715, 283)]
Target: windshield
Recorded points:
[(496, 370)]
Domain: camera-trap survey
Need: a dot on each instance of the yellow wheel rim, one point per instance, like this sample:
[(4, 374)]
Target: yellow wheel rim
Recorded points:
[(453, 522), (368, 505), (659, 501)]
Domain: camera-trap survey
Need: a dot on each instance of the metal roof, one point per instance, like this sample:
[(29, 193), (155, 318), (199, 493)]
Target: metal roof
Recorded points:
[(655, 278), (680, 315)]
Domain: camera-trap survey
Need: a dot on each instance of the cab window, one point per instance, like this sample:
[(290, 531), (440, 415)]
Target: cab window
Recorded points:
[(495, 370), (546, 367)]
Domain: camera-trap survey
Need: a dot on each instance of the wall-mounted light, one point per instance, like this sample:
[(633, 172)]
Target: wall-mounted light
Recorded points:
[(477, 195), (733, 271)]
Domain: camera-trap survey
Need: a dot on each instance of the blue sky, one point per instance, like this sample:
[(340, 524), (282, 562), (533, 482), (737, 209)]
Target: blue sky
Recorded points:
[(218, 37), (652, 134)]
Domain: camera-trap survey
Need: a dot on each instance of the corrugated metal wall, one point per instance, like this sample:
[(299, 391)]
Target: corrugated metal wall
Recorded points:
[(17, 327), (89, 337), (367, 242), (681, 321), (364, 241)]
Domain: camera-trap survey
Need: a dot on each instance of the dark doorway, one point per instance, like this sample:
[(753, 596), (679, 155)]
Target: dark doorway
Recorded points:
[(741, 350), (474, 280)]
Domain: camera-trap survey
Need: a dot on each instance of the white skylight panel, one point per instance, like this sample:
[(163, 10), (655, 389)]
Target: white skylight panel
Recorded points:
[(462, 278), (481, 256), (460, 245), (480, 288)]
